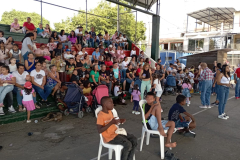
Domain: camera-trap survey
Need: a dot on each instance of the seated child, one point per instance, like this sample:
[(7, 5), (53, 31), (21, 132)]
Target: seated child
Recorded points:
[(107, 125), (175, 115), (70, 67), (154, 120), (60, 95), (87, 92), (118, 93)]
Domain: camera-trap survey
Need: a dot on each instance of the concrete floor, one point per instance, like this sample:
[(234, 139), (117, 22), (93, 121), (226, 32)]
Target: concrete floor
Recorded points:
[(77, 139)]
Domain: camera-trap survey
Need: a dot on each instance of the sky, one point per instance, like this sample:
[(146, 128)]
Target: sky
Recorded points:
[(173, 12)]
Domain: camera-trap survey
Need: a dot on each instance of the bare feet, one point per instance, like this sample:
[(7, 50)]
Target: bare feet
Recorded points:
[(171, 145)]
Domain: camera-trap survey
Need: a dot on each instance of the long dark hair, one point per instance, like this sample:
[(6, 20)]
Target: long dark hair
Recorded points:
[(156, 76), (186, 80), (58, 44), (219, 65), (1, 42), (73, 34), (224, 71), (27, 91), (12, 39), (135, 87), (28, 35), (61, 33), (6, 67), (53, 34)]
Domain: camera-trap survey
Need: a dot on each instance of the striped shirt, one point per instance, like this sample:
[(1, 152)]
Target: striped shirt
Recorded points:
[(207, 74)]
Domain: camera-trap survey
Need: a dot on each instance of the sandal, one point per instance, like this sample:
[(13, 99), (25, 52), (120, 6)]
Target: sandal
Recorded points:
[(169, 154), (20, 109), (38, 107)]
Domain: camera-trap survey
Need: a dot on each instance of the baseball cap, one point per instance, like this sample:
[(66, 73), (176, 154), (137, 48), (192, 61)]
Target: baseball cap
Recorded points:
[(28, 85), (68, 50)]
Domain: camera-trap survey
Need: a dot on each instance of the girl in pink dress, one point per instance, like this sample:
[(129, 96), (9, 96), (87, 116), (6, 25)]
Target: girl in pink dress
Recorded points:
[(27, 101), (122, 55), (118, 54)]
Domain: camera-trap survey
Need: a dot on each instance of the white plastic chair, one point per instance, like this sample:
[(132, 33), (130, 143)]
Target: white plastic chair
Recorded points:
[(148, 132), (111, 147)]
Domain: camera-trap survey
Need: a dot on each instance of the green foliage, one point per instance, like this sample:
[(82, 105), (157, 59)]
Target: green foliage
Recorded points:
[(143, 47), (105, 9), (8, 17)]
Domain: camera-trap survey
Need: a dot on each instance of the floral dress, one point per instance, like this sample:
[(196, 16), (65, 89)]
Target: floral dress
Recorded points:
[(51, 82)]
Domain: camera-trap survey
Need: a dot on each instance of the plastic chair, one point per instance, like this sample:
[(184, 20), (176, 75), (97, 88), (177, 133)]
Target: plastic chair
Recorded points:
[(111, 147), (148, 132)]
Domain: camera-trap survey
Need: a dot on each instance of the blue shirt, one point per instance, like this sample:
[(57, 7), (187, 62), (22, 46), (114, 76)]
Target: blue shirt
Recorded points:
[(174, 112), (39, 30), (92, 33), (97, 55), (116, 72)]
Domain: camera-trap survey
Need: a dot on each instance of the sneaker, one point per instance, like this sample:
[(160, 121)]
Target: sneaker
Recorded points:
[(222, 117), (29, 121), (224, 114), (133, 112), (137, 113), (188, 104), (1, 111), (216, 104), (203, 107), (213, 103), (24, 109), (11, 109), (48, 103), (209, 106)]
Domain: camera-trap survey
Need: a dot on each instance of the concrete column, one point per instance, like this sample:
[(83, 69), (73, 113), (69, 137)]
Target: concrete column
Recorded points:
[(221, 57), (155, 37), (169, 46)]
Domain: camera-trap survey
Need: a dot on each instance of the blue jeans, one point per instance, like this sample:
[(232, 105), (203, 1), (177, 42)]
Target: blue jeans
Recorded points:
[(217, 91), (206, 92), (107, 43), (43, 93), (17, 91), (91, 40), (129, 80), (135, 105), (67, 44), (123, 73), (200, 85), (237, 89), (4, 90), (25, 56), (223, 97)]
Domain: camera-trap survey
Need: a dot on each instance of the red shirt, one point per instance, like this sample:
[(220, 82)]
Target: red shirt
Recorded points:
[(138, 72), (110, 63), (237, 72), (30, 26)]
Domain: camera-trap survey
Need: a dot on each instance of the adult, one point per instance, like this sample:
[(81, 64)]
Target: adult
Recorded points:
[(181, 65), (27, 45), (218, 69), (78, 62), (21, 78), (130, 74), (111, 51), (53, 81), (40, 31), (114, 37), (96, 55), (38, 79), (60, 64), (104, 78), (158, 62), (82, 53), (161, 72), (224, 84), (15, 27), (107, 39), (9, 43), (58, 50), (86, 62), (237, 81), (206, 77), (55, 37), (100, 39), (92, 37), (30, 28), (141, 55), (124, 67), (41, 52), (64, 40), (74, 41), (94, 77), (133, 62), (141, 62), (29, 63), (79, 34), (108, 63), (146, 76)]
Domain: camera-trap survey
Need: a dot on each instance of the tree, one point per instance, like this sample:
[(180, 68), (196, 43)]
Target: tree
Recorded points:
[(105, 9), (8, 17)]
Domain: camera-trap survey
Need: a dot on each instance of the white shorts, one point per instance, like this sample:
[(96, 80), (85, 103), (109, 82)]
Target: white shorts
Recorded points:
[(159, 93), (191, 81)]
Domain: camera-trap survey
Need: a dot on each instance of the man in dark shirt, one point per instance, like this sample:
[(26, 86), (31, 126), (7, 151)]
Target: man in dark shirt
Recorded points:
[(153, 116), (92, 37), (82, 73), (175, 115), (104, 78)]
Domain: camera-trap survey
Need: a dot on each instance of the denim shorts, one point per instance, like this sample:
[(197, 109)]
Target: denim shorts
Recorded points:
[(153, 123), (179, 124)]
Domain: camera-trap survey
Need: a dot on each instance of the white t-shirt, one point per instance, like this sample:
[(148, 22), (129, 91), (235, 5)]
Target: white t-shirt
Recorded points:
[(3, 39), (124, 64), (133, 53), (20, 78), (12, 68), (191, 75), (27, 41), (116, 89), (78, 32), (27, 97), (68, 56), (62, 38), (158, 85), (182, 66), (81, 53), (38, 76), (124, 39)]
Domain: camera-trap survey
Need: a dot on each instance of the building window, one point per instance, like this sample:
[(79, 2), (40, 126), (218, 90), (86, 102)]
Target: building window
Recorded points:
[(177, 46), (217, 43), (195, 44)]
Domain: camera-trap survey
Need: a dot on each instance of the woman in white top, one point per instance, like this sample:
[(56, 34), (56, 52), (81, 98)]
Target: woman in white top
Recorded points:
[(223, 90), (27, 45), (157, 86), (133, 53), (64, 40)]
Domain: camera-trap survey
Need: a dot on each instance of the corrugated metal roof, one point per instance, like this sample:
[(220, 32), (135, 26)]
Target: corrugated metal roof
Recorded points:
[(147, 4)]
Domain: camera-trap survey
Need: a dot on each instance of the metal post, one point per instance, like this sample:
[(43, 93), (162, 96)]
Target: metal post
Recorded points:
[(41, 11), (118, 18), (136, 29), (187, 25), (86, 15)]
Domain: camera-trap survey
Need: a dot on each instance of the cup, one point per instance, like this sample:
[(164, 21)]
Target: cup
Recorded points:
[(116, 118)]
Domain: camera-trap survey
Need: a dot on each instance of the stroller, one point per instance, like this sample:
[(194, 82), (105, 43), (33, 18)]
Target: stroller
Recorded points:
[(99, 92), (75, 100), (170, 86)]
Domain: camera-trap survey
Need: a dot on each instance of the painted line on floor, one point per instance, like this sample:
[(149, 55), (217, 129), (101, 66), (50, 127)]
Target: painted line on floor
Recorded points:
[(104, 154)]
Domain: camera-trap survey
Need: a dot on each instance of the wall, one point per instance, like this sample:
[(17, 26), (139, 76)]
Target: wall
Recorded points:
[(236, 22), (194, 61), (221, 57)]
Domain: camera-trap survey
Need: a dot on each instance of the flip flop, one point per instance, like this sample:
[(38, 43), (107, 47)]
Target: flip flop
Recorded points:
[(168, 154)]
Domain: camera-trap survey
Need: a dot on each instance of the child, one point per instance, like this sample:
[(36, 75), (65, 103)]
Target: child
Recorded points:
[(154, 119), (87, 92), (2, 38), (12, 66), (135, 97), (3, 53), (75, 77), (16, 53), (118, 53), (186, 90), (68, 55), (47, 30), (70, 67), (107, 125), (118, 93), (51, 46), (28, 94), (175, 115), (179, 85), (122, 55), (157, 86)]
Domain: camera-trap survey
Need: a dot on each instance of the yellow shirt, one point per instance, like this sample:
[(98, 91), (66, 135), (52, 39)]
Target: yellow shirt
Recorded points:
[(87, 90)]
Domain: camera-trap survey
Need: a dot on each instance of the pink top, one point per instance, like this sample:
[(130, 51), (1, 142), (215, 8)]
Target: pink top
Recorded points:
[(44, 52), (52, 46), (15, 25), (185, 85), (46, 30), (73, 39)]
